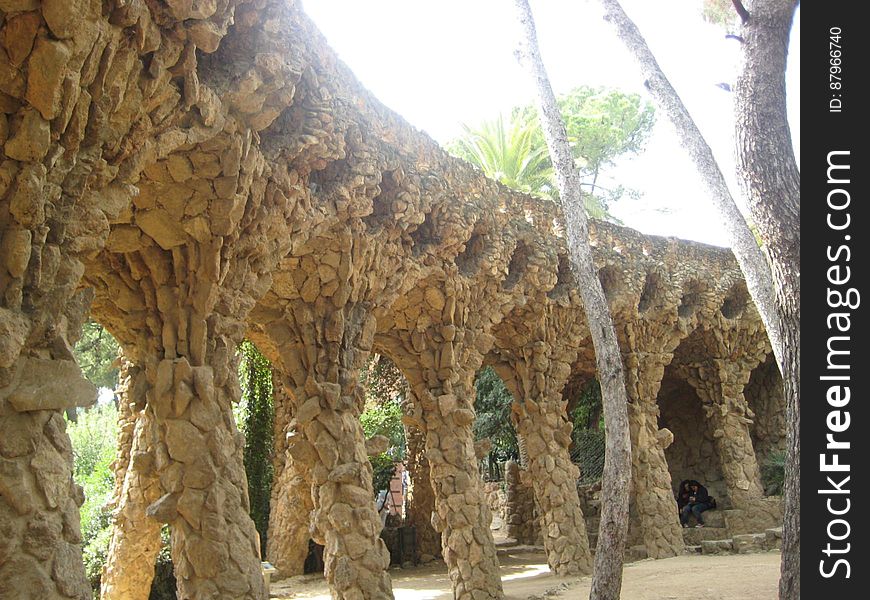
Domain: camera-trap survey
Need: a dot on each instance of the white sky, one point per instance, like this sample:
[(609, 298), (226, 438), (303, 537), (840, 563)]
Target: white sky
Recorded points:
[(442, 63)]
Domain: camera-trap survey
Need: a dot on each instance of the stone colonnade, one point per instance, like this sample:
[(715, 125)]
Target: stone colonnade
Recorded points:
[(174, 163)]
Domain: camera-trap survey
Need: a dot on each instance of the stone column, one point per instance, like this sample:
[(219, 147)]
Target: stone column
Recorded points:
[(322, 350), (198, 460), (719, 383), (40, 532), (291, 503), (652, 493), (421, 499), (135, 543), (440, 364), (536, 378), (522, 517), (179, 282)]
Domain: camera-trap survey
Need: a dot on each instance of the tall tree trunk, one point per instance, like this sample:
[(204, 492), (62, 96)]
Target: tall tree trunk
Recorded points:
[(771, 181), (770, 178), (756, 271), (607, 574)]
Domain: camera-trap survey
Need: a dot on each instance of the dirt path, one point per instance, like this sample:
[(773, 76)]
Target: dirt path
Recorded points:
[(525, 574)]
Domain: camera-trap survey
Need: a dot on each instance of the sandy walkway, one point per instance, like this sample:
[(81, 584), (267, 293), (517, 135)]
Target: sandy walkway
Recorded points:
[(525, 574)]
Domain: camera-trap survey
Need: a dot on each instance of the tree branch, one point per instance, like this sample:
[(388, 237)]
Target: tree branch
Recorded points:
[(753, 264), (741, 10)]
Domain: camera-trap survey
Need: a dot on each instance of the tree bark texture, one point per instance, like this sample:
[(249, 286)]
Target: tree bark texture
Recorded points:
[(607, 575), (769, 175)]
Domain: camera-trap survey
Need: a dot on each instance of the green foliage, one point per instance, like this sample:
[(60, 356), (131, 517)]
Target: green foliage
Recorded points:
[(602, 125), (385, 390), (386, 419), (164, 585), (773, 473), (587, 414), (96, 352), (383, 468), (720, 12), (255, 377), (492, 407), (93, 438), (510, 155), (94, 555)]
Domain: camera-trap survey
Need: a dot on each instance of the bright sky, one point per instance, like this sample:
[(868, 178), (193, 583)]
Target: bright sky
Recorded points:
[(443, 63)]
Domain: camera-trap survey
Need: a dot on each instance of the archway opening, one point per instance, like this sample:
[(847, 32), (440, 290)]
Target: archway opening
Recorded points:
[(693, 453)]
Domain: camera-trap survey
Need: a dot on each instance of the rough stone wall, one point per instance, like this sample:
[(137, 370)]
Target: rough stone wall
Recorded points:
[(764, 396)]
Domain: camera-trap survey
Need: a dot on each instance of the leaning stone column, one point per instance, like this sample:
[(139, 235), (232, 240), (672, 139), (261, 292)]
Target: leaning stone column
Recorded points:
[(440, 365), (720, 384), (291, 504), (198, 460), (135, 542), (536, 378), (181, 288), (653, 495), (40, 533), (647, 349), (421, 499), (322, 349)]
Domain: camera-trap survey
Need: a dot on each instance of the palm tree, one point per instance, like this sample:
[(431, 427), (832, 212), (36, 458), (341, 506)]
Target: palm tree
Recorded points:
[(507, 154), (516, 155)]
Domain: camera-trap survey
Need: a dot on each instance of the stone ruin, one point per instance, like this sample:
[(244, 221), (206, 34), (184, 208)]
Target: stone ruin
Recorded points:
[(194, 172)]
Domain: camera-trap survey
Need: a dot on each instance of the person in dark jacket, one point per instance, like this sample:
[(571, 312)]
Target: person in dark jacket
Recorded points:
[(683, 493), (699, 501)]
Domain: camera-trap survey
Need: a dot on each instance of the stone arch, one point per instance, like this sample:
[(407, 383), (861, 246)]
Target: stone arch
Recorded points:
[(764, 395), (693, 453)]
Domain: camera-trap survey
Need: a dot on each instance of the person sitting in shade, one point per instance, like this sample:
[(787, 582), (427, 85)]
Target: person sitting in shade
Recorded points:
[(699, 501)]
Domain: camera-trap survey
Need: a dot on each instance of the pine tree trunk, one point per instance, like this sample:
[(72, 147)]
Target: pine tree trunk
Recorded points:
[(771, 181), (756, 271), (607, 574)]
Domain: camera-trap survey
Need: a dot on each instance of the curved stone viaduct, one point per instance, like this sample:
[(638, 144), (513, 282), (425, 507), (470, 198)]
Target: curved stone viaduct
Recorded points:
[(192, 172)]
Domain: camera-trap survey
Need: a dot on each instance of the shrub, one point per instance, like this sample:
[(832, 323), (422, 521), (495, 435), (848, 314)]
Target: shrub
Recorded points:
[(383, 468), (773, 473)]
